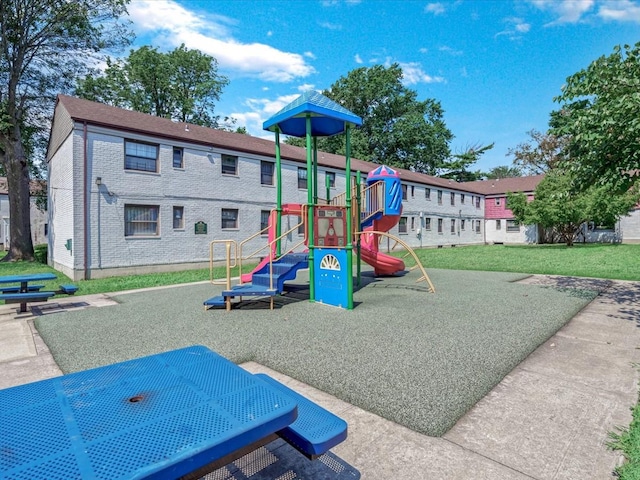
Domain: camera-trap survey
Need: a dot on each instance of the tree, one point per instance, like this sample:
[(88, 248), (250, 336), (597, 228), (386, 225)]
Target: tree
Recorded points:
[(183, 85), (503, 171), (398, 130), (539, 154), (457, 168), (44, 45), (601, 116), (558, 206)]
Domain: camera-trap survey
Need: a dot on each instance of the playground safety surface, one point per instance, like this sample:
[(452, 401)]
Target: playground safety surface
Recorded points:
[(548, 418)]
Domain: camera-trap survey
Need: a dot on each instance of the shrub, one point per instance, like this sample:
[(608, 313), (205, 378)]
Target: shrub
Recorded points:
[(40, 253)]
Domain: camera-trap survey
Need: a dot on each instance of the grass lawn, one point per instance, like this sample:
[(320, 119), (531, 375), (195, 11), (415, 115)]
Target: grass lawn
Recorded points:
[(618, 261)]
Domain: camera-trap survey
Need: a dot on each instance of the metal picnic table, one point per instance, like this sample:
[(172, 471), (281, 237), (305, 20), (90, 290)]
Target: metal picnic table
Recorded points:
[(161, 416)]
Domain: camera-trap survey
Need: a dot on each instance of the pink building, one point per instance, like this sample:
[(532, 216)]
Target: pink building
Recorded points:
[(500, 226)]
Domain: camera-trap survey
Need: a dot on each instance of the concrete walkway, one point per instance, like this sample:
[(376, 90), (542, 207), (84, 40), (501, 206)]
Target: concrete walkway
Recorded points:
[(548, 419)]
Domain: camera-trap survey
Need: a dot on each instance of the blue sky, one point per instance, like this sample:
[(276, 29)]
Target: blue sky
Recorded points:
[(495, 66)]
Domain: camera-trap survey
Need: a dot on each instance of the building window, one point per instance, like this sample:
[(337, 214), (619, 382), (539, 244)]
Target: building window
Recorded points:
[(300, 226), (498, 202), (402, 225), (439, 225), (427, 223), (413, 223), (229, 218), (264, 219), (427, 193), (453, 198), (439, 197), (266, 173), (46, 229), (462, 198), (404, 192), (498, 224), (178, 157), (513, 226), (229, 165), (462, 224), (413, 191), (453, 225), (477, 202), (178, 218), (302, 178), (330, 179), (140, 156), (141, 220), (478, 225)]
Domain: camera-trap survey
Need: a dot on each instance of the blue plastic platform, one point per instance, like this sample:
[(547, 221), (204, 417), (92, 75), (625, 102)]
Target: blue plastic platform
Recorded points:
[(284, 269)]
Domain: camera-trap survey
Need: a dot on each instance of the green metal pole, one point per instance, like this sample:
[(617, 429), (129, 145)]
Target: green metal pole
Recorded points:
[(349, 226), (312, 291), (327, 186), (278, 194), (358, 225), (315, 171)]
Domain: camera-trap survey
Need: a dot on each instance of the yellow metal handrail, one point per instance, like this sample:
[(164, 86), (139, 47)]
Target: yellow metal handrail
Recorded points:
[(410, 251)]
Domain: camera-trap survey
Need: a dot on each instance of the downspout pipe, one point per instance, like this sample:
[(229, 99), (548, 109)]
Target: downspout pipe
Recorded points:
[(85, 202)]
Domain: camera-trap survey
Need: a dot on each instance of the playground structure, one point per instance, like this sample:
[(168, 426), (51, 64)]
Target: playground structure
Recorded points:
[(330, 228)]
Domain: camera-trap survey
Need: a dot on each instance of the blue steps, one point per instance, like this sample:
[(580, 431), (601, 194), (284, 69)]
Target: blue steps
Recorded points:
[(284, 269)]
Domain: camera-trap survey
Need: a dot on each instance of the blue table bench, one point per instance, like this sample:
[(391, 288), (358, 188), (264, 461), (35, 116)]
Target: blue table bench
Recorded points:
[(16, 288), (316, 430), (26, 297)]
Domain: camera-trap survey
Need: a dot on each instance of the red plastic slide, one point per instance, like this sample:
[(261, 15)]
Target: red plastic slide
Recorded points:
[(287, 209), (382, 263)]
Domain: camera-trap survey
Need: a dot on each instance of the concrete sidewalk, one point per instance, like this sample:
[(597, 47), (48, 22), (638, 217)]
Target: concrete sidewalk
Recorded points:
[(548, 419)]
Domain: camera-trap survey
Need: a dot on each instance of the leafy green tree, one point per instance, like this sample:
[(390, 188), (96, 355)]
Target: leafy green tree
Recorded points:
[(457, 168), (183, 85), (398, 129), (44, 46), (539, 154), (503, 171), (558, 206), (600, 114)]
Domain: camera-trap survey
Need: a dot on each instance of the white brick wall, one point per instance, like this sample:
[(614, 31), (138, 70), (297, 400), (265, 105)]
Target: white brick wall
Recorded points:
[(61, 208), (630, 227)]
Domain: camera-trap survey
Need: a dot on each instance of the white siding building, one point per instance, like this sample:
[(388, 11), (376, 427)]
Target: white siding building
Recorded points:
[(134, 193)]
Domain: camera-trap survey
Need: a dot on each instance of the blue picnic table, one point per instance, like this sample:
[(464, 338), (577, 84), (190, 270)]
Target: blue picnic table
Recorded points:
[(161, 416), (24, 292)]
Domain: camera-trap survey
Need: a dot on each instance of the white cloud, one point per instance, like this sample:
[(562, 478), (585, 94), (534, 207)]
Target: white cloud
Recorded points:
[(621, 11), (412, 73), (306, 87), (424, 50), (172, 25), (514, 29), (566, 11), (259, 110), (435, 8), (450, 51), (358, 58), (331, 26), (309, 55)]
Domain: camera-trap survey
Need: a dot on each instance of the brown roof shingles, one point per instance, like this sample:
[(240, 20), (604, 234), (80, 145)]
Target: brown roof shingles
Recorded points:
[(504, 185), (132, 121)]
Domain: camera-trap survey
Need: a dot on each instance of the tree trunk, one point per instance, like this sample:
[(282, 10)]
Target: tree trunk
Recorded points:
[(17, 169)]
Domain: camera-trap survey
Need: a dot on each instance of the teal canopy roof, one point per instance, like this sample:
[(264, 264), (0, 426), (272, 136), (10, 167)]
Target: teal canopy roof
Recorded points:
[(327, 117)]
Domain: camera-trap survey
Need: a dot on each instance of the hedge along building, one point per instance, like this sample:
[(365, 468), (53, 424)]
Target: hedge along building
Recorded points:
[(133, 193)]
